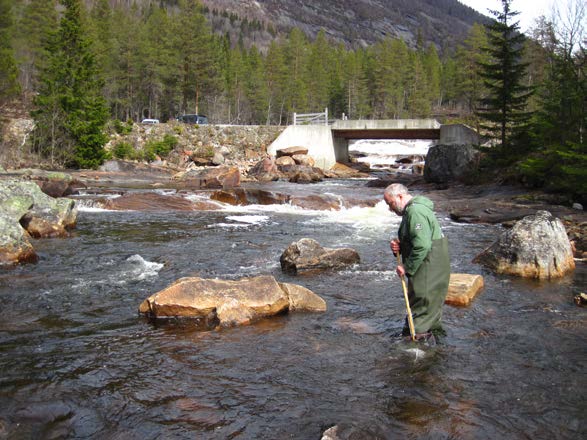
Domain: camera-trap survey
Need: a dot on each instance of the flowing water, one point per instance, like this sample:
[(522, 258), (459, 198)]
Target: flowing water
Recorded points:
[(78, 362)]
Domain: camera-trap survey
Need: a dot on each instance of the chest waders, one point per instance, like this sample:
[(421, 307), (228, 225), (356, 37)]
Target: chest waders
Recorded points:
[(428, 287)]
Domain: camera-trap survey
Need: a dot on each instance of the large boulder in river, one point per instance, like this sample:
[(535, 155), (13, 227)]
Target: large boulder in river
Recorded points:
[(536, 247), (46, 217), (229, 302), (308, 255), (445, 163), (15, 246)]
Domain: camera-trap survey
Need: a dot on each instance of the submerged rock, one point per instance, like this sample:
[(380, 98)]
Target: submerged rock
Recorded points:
[(308, 255), (536, 247), (149, 201), (229, 302), (462, 288)]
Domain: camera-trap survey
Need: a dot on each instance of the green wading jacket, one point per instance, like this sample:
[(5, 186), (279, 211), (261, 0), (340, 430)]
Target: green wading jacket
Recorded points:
[(424, 250)]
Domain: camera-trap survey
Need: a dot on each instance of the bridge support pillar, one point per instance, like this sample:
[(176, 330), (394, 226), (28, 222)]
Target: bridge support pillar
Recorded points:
[(341, 149)]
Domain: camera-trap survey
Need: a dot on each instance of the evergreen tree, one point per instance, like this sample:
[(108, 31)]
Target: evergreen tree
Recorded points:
[(356, 85), (318, 75), (433, 71), (390, 75), (198, 62), (9, 86), (503, 109), (125, 82), (276, 77), (560, 159), (71, 112), (418, 103), (469, 58), (257, 91), (296, 56), (36, 21)]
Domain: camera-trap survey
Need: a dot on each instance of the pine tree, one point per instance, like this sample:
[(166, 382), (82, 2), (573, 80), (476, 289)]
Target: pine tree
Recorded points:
[(356, 85), (469, 58), (257, 91), (433, 68), (126, 64), (390, 75), (36, 21), (9, 86), (276, 77), (296, 57), (198, 62), (318, 75), (71, 112), (419, 90), (503, 109)]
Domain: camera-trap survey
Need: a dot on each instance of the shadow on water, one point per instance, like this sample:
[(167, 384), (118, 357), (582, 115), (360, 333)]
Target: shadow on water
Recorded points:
[(78, 362)]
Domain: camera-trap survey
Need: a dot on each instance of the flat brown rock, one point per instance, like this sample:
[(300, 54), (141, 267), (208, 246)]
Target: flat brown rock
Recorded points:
[(230, 302), (462, 288)]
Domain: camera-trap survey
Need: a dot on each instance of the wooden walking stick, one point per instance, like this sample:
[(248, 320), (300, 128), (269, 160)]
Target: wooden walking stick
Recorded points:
[(410, 319)]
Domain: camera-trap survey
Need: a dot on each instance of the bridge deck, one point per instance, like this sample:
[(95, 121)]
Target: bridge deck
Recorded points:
[(387, 133)]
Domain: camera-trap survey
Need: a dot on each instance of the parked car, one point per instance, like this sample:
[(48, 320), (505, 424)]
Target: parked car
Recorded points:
[(150, 121), (193, 119)]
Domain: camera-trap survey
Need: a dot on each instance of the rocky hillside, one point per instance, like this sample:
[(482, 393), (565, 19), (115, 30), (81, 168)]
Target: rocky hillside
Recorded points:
[(352, 22)]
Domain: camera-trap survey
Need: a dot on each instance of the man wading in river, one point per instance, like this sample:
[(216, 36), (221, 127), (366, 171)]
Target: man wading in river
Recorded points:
[(426, 263)]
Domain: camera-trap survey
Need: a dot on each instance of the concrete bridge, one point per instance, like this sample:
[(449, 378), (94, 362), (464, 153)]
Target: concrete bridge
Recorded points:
[(329, 144)]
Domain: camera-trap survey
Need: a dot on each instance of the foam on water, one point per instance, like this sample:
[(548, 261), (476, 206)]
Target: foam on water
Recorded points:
[(384, 152), (140, 269)]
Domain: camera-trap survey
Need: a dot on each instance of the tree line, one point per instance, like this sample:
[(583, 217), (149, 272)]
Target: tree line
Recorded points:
[(159, 60)]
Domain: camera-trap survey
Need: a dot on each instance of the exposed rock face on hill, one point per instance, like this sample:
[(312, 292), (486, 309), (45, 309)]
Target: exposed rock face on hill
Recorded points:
[(352, 22)]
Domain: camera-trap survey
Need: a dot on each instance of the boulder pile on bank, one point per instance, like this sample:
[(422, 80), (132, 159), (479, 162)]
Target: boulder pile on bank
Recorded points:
[(25, 212), (229, 303)]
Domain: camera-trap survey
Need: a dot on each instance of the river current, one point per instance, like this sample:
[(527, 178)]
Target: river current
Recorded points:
[(78, 362)]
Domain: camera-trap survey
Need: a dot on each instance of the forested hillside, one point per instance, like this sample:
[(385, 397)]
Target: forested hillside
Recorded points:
[(87, 62), (161, 59)]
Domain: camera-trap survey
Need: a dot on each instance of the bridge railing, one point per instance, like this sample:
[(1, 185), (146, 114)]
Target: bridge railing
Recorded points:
[(311, 118)]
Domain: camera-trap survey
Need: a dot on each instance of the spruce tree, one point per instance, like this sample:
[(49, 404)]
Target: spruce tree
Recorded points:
[(71, 112), (503, 110)]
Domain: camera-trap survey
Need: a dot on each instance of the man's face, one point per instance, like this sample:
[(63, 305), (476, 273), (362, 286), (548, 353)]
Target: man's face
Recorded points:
[(394, 204)]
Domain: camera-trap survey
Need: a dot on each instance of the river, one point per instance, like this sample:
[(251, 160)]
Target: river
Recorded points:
[(78, 362)]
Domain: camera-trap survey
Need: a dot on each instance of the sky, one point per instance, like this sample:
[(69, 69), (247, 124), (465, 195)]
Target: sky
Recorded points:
[(529, 9)]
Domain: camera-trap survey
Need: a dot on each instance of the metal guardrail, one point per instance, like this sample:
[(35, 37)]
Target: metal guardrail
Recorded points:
[(311, 118)]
